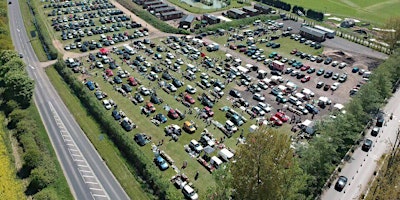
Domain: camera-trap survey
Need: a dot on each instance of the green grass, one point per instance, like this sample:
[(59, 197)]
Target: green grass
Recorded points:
[(60, 185), (198, 10), (30, 27), (111, 155), (174, 149), (373, 11)]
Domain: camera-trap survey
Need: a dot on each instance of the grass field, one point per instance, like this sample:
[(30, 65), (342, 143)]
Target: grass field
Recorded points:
[(117, 164), (373, 11)]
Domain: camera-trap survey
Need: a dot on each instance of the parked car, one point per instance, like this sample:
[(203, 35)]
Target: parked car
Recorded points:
[(367, 145), (235, 93), (195, 146), (141, 139), (189, 193), (375, 131), (161, 163), (258, 97), (341, 183)]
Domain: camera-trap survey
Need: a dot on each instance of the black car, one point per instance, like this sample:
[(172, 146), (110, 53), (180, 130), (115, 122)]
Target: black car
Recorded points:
[(156, 69), (141, 139), (177, 83), (341, 183), (116, 115), (117, 79), (276, 73), (328, 61), (235, 93), (328, 74), (127, 88), (166, 76), (375, 131), (380, 121), (366, 145), (300, 76)]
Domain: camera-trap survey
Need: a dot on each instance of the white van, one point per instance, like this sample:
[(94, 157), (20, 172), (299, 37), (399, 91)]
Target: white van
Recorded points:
[(230, 126), (129, 49), (215, 161), (225, 154), (293, 100), (103, 38)]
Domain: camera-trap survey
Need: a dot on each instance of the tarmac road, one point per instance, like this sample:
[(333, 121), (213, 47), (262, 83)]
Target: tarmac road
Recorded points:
[(86, 173)]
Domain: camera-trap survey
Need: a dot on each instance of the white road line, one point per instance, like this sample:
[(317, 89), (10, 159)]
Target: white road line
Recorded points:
[(78, 160), (95, 189), (99, 195), (70, 144), (88, 176), (94, 183), (85, 171)]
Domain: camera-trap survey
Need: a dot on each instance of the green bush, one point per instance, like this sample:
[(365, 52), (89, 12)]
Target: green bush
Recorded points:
[(151, 19), (46, 194)]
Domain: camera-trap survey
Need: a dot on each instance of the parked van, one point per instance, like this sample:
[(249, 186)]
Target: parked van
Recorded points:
[(225, 154), (230, 126), (293, 100), (215, 161), (129, 49)]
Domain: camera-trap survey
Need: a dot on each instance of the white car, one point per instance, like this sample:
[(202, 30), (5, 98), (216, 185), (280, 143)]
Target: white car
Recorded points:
[(258, 97), (170, 56), (190, 89), (107, 104), (190, 193), (335, 86), (264, 106), (302, 109), (196, 146)]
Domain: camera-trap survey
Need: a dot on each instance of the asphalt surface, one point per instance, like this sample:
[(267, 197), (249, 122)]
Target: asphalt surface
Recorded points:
[(360, 169), (85, 171)]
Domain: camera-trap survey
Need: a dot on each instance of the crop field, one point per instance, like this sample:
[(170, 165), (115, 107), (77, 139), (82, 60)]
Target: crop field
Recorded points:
[(373, 11)]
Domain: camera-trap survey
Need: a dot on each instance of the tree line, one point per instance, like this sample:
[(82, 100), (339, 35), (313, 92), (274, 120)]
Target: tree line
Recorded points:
[(16, 92), (268, 168)]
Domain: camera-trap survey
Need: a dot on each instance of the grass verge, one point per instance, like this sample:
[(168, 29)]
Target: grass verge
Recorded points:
[(117, 164), (30, 28)]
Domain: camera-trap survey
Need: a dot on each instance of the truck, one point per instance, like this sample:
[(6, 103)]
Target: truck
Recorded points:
[(276, 65)]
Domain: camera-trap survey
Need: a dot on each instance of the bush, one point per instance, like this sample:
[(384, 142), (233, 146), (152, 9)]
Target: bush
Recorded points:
[(46, 194), (40, 178)]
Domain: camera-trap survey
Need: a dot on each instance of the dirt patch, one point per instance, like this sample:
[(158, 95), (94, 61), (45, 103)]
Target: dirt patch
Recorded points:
[(352, 59)]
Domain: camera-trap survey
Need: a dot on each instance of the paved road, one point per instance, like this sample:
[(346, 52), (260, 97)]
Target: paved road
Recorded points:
[(359, 170), (86, 173)]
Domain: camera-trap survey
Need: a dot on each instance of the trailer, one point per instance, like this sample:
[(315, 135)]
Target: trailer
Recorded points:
[(276, 65)]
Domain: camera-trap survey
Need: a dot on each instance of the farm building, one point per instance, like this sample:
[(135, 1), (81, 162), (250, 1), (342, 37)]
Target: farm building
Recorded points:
[(186, 21), (328, 32), (146, 4), (153, 7), (250, 11), (262, 9), (211, 19), (236, 13), (164, 9), (171, 15), (312, 33)]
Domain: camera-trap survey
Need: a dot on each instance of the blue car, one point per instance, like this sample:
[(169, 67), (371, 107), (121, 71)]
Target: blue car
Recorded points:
[(161, 118), (161, 163), (90, 85), (116, 115), (312, 109), (355, 70)]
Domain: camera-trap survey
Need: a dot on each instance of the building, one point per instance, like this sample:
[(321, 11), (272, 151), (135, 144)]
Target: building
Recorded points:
[(312, 33), (211, 19), (146, 4), (262, 9), (171, 15), (164, 9), (329, 33), (186, 21), (153, 7), (236, 13), (250, 11)]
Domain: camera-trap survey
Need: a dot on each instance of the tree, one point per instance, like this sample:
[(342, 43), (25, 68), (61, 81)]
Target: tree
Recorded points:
[(7, 55), (266, 168), (393, 37), (19, 87), (223, 184), (15, 64), (369, 98), (46, 194)]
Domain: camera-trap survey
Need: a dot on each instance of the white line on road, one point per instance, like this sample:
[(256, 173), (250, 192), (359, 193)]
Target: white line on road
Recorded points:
[(95, 189)]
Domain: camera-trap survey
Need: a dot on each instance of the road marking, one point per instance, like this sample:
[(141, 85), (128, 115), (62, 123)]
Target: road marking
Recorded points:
[(18, 30), (80, 163), (32, 67)]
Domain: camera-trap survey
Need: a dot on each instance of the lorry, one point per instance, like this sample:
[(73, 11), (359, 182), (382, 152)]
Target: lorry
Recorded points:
[(277, 65)]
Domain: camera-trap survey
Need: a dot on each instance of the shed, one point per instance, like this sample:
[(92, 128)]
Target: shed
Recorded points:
[(164, 9), (171, 15), (146, 4), (250, 11), (262, 9), (211, 19), (236, 13), (186, 21), (153, 7), (312, 33)]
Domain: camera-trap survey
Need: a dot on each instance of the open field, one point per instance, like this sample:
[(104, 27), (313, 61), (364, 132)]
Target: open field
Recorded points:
[(373, 11), (111, 155)]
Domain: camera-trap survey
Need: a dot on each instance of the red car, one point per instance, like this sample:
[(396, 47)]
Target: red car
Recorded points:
[(293, 51), (242, 50), (282, 116), (276, 121), (305, 79), (189, 99), (304, 68), (132, 81), (109, 72), (233, 47), (208, 111), (173, 114), (150, 106), (278, 57)]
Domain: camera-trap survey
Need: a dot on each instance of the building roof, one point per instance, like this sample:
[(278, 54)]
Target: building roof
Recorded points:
[(171, 13), (151, 2), (212, 17), (157, 6), (260, 6), (187, 18), (237, 11), (312, 31), (249, 9), (169, 8)]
